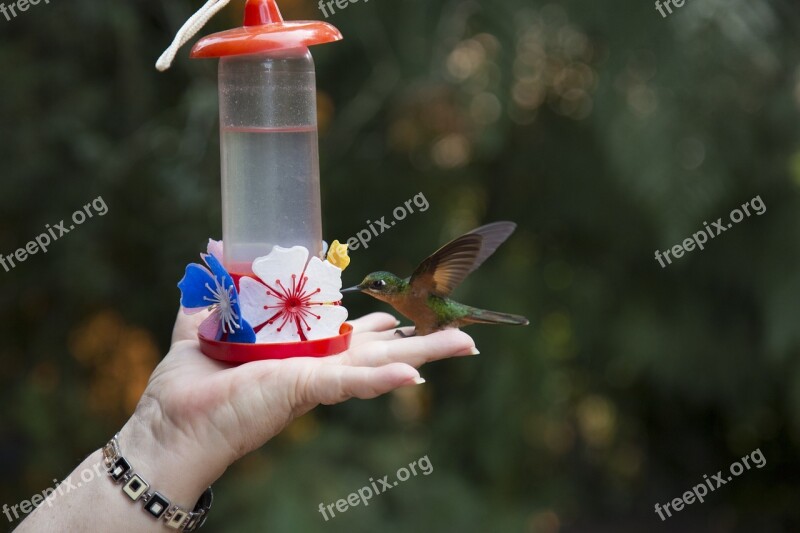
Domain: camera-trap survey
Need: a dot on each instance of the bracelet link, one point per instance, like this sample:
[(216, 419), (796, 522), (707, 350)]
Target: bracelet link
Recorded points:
[(175, 517)]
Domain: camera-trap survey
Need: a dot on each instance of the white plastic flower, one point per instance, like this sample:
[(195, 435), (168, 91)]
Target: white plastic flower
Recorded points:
[(294, 301)]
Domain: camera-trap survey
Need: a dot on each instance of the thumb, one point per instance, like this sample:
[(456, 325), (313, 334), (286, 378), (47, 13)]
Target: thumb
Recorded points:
[(186, 325)]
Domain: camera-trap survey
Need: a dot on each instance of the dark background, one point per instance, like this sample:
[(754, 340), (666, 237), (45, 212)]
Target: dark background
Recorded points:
[(604, 130)]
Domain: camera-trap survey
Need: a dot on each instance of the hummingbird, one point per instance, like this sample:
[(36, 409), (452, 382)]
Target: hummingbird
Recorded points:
[(424, 296)]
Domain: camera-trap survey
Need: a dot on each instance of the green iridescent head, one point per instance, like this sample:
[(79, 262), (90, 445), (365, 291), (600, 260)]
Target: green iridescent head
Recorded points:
[(379, 284)]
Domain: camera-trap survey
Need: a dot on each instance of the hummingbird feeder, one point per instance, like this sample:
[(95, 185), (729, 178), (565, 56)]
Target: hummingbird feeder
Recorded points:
[(271, 286)]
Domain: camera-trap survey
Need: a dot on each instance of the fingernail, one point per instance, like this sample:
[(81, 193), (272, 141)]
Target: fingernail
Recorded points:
[(419, 381), (396, 323), (474, 351)]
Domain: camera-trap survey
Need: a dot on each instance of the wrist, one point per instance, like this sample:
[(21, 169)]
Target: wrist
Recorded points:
[(167, 460)]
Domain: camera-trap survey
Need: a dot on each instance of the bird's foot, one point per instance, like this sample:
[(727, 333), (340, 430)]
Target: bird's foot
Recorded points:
[(404, 335)]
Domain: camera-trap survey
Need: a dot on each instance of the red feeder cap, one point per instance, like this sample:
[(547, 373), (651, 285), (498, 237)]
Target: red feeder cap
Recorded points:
[(264, 30)]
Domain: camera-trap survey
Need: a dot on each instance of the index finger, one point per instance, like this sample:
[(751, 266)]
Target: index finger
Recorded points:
[(374, 322), (414, 351)]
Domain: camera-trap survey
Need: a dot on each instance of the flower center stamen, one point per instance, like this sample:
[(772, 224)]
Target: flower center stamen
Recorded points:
[(222, 301), (294, 304)]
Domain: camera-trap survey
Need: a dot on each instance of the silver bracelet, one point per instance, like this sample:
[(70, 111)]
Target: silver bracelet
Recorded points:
[(156, 505)]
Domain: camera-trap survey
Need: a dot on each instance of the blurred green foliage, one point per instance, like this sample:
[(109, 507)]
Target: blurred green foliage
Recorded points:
[(604, 130)]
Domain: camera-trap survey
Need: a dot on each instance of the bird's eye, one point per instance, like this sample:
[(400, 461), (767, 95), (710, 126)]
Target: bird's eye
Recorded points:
[(377, 284)]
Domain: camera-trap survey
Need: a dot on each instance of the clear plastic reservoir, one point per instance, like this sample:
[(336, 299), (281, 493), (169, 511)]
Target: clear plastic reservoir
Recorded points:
[(270, 161)]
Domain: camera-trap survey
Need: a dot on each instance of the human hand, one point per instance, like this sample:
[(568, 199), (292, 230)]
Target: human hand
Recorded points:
[(198, 415)]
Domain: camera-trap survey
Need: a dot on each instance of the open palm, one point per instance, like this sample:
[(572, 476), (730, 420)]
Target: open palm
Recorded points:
[(203, 411)]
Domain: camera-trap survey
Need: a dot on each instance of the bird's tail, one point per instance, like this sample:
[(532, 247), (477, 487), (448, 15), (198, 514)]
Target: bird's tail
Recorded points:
[(482, 316)]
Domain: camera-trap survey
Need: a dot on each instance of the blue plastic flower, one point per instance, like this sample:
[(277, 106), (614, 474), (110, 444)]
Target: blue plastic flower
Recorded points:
[(214, 289)]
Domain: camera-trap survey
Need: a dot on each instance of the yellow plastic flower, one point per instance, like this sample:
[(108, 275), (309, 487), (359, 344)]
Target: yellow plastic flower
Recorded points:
[(337, 255)]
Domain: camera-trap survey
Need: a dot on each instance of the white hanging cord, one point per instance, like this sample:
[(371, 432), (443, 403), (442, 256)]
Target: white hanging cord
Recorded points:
[(188, 30)]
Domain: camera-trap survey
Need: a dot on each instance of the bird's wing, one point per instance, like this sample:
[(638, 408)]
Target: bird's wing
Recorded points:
[(449, 265)]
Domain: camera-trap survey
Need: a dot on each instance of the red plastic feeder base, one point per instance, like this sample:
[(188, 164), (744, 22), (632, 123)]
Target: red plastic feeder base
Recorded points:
[(236, 352)]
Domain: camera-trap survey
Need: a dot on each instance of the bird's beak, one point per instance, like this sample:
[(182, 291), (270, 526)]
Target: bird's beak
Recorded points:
[(355, 288)]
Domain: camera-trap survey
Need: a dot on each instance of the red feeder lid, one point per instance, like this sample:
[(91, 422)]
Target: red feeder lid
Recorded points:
[(264, 30)]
